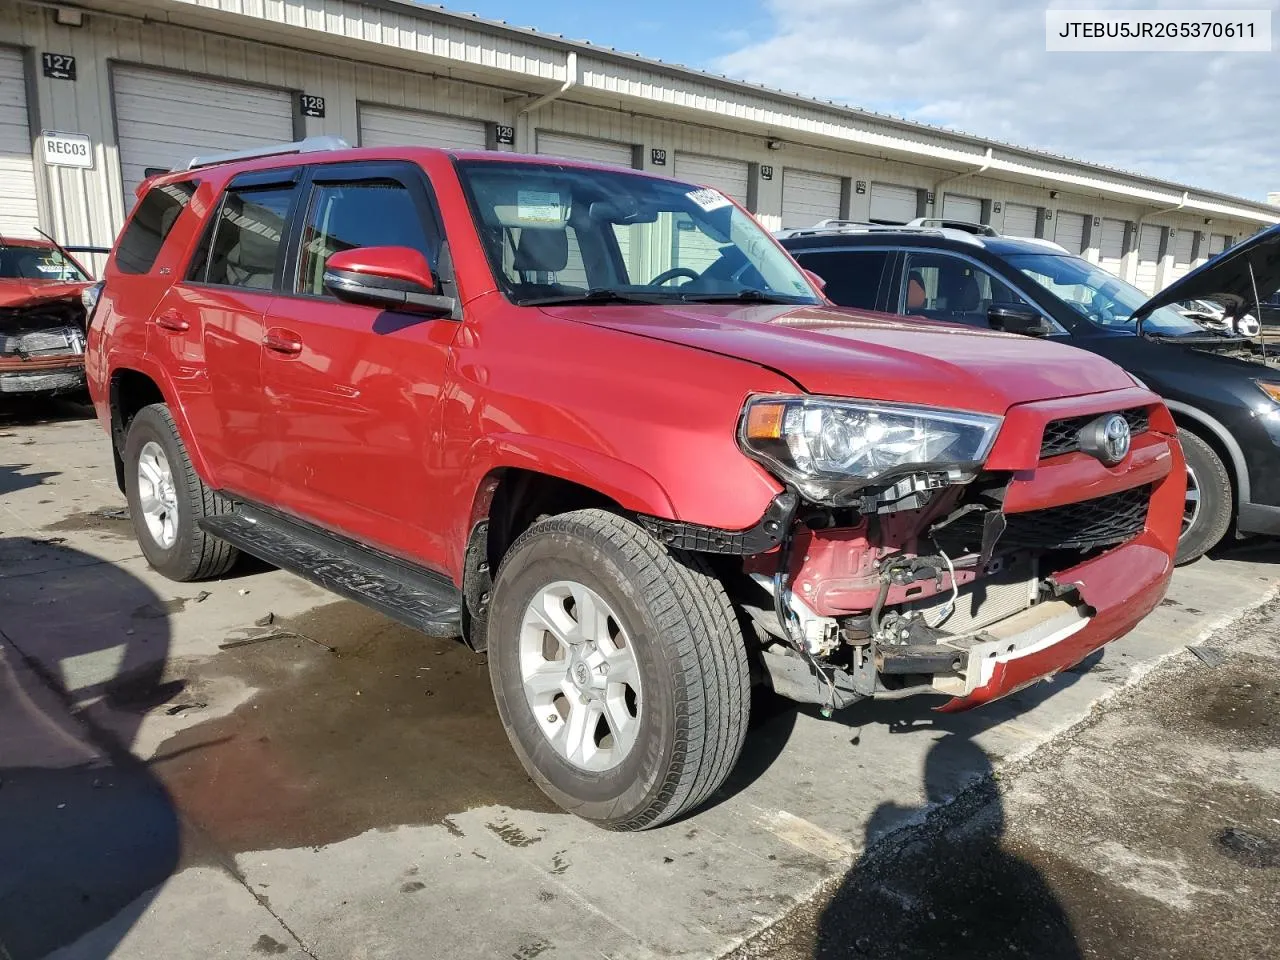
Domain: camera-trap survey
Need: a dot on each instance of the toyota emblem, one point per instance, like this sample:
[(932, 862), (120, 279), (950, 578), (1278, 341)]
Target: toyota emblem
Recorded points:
[(1107, 438)]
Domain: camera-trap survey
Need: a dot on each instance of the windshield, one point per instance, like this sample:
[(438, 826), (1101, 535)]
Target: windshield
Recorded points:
[(565, 234), (1100, 296), (21, 262)]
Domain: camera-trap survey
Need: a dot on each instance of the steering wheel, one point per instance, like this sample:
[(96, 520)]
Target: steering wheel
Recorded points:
[(666, 276)]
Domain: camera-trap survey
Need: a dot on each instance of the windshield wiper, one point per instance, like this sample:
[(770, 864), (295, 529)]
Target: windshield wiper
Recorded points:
[(742, 296), (597, 295)]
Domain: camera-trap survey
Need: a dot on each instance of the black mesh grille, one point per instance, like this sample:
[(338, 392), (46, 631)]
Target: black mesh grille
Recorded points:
[(1063, 436), (1100, 522)]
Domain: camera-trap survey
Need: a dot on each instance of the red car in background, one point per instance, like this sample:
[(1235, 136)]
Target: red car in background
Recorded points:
[(42, 317)]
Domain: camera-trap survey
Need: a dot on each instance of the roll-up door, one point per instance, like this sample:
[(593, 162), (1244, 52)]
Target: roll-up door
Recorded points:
[(1183, 241), (1019, 220), (1111, 246), (394, 127), (584, 148), (892, 204), (164, 119), (808, 198), (967, 209), (1069, 232), (1217, 243), (1148, 258), (18, 214), (727, 176)]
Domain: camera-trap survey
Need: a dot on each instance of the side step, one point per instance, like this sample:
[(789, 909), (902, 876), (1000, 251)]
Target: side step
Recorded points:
[(413, 596)]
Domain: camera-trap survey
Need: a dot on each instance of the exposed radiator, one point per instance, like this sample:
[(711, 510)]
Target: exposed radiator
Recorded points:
[(985, 601)]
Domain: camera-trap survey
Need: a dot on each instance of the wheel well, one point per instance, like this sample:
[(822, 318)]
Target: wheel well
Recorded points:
[(130, 392), (1192, 425)]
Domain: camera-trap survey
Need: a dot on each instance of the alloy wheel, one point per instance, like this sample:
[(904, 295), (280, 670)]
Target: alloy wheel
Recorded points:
[(157, 496), (1191, 507)]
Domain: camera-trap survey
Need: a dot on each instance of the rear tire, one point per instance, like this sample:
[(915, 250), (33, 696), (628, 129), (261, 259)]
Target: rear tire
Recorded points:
[(167, 500), (1209, 507), (670, 653)]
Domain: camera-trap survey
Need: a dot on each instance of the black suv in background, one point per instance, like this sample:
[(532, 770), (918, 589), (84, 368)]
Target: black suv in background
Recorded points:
[(1223, 390)]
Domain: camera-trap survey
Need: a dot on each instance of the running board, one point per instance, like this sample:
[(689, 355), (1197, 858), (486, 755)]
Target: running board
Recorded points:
[(413, 596)]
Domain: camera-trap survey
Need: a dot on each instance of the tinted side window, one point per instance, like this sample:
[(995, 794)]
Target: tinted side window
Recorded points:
[(244, 247), (366, 214), (144, 236), (852, 276), (948, 288)]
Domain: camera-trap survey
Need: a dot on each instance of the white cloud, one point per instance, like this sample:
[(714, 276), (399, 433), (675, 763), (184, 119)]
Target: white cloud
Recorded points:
[(980, 66)]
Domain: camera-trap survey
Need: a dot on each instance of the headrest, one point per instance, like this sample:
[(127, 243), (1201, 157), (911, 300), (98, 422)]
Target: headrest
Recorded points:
[(967, 296), (542, 250)]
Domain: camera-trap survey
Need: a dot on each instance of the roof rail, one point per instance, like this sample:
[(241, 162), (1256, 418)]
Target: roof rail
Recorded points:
[(309, 145), (977, 229)]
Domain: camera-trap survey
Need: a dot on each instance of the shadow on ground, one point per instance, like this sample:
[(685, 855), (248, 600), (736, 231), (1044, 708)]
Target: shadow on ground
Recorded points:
[(85, 828)]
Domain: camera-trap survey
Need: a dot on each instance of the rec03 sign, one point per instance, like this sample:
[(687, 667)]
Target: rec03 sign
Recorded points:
[(67, 150)]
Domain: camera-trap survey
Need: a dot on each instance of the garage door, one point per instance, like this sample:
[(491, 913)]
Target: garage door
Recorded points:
[(583, 148), (1111, 245), (727, 176), (164, 119), (1183, 241), (967, 209), (1019, 220), (808, 198), (1217, 243), (1148, 258), (892, 204), (1069, 232), (17, 175), (394, 127)]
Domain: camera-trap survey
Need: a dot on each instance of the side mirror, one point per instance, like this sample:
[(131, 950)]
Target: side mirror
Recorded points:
[(1022, 320), (395, 278), (816, 280)]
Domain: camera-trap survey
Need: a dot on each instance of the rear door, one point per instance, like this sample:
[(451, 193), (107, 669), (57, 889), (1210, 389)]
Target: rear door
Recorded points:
[(354, 391)]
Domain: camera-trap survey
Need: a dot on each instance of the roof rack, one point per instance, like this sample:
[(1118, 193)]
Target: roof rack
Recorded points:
[(853, 226), (309, 145), (943, 223)]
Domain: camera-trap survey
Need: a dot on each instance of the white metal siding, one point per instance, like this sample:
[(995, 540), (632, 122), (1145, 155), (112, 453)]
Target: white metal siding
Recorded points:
[(1070, 231), (962, 208), (1183, 241), (393, 127), (892, 203), (1111, 248), (808, 198), (1148, 258), (727, 176), (164, 119), (18, 214), (1020, 220), (586, 148)]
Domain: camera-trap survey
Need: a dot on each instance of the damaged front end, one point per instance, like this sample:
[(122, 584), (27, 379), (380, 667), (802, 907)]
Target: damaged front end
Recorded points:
[(973, 577), (42, 339)]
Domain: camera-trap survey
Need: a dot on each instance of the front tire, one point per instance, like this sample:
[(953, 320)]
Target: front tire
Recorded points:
[(1207, 514), (619, 670), (167, 500)]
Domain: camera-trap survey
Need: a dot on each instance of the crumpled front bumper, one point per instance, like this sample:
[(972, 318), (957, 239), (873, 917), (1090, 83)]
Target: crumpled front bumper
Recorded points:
[(57, 374)]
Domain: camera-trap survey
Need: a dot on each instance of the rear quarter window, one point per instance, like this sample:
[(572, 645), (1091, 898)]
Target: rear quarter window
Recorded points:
[(143, 238)]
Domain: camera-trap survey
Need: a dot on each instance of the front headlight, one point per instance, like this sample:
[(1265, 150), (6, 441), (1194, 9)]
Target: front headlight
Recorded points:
[(1272, 390), (829, 449)]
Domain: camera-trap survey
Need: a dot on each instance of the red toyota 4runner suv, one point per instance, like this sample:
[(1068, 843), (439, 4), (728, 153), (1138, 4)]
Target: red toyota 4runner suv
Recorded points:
[(602, 426)]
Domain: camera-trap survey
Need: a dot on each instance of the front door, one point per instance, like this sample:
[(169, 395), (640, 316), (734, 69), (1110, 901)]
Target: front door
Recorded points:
[(354, 391)]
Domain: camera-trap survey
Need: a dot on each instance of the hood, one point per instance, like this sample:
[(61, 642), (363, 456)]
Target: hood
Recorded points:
[(27, 293), (1226, 278), (851, 353)]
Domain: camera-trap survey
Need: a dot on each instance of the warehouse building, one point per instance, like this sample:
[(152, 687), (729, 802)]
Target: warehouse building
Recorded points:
[(95, 94)]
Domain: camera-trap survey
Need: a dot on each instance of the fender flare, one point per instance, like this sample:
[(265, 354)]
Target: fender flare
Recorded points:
[(157, 375), (1238, 466)]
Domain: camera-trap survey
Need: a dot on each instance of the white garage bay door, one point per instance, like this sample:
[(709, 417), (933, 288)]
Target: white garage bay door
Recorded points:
[(1070, 232), (1111, 245), (808, 198), (397, 127), (892, 204), (164, 119), (1019, 220), (18, 216), (1217, 243), (583, 148), (727, 176), (1148, 258), (1183, 241), (968, 209)]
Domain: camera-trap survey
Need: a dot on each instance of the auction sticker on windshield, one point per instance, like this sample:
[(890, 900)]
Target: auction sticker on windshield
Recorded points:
[(708, 199), (540, 206)]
